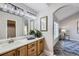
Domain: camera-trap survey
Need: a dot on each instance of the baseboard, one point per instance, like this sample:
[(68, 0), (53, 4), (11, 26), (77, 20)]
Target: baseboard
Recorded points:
[(48, 53)]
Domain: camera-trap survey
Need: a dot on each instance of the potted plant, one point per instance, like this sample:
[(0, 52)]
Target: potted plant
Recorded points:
[(32, 32), (31, 35), (38, 33)]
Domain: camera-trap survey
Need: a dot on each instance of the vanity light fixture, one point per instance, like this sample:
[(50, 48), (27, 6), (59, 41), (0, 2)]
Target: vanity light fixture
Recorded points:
[(30, 16), (12, 9)]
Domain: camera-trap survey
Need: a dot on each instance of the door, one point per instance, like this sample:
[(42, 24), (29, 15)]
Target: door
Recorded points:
[(11, 29)]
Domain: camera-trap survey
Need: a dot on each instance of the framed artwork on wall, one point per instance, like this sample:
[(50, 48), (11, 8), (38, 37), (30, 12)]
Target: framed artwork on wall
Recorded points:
[(31, 24), (44, 23)]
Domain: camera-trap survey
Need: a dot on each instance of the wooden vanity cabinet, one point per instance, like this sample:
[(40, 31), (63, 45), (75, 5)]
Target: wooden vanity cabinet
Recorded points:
[(40, 46), (11, 53), (22, 51), (31, 49), (36, 48)]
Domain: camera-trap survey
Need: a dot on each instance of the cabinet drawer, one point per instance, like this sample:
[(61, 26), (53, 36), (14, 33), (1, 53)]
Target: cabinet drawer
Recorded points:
[(31, 45), (11, 53), (32, 51)]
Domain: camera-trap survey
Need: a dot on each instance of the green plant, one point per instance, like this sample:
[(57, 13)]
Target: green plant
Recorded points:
[(38, 33), (32, 32)]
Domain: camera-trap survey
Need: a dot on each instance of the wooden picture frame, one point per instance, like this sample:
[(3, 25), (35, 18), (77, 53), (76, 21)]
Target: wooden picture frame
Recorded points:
[(44, 23), (31, 24)]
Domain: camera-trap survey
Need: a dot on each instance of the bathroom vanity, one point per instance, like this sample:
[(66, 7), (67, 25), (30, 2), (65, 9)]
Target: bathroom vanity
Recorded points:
[(23, 47)]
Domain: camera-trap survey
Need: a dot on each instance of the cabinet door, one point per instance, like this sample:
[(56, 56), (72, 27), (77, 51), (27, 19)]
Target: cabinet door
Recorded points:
[(12, 53), (32, 49), (40, 45), (22, 51)]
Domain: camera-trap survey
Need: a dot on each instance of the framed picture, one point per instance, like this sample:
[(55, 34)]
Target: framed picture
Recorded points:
[(77, 26), (31, 24), (44, 23)]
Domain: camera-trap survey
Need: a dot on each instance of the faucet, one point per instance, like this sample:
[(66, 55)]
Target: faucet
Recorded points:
[(11, 41)]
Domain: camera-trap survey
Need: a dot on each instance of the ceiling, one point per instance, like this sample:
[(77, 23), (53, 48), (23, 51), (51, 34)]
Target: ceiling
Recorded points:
[(61, 14), (37, 6), (43, 6), (66, 11)]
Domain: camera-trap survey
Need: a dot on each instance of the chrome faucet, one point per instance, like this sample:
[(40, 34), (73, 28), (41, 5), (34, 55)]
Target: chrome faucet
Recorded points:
[(11, 41)]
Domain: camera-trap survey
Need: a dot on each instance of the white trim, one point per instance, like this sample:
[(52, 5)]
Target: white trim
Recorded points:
[(48, 53)]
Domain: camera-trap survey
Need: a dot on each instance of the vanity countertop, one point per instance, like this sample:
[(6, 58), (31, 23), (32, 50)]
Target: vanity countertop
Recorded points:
[(16, 44)]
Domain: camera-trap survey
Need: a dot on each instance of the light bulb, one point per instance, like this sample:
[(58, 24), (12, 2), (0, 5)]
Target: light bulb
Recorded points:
[(17, 12), (11, 10), (5, 7), (21, 13)]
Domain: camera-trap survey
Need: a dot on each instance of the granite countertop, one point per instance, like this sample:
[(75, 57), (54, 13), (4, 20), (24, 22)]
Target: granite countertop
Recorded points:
[(5, 47)]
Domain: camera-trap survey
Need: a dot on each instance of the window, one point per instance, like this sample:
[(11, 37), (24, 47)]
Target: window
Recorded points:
[(25, 30), (56, 30)]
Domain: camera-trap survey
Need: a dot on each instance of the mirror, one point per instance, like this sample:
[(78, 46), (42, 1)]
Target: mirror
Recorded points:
[(12, 26)]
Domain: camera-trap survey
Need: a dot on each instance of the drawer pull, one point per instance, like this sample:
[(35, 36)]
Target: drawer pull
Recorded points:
[(32, 50)]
